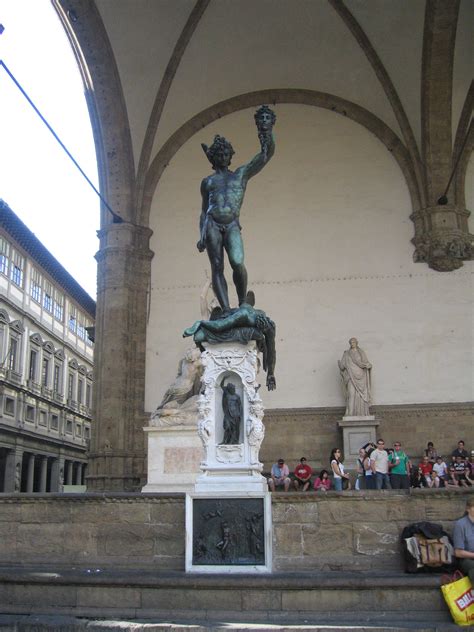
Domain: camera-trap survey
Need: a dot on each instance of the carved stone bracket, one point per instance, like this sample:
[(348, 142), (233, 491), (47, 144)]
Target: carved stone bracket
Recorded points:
[(441, 237)]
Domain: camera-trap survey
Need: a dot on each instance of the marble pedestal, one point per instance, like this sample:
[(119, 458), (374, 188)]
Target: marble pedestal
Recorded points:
[(228, 515), (356, 432), (230, 467), (174, 456)]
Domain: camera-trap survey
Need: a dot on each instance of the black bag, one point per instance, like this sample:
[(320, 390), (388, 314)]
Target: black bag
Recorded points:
[(427, 548)]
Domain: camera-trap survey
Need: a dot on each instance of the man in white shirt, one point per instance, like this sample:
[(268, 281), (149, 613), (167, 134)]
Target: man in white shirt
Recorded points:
[(379, 466)]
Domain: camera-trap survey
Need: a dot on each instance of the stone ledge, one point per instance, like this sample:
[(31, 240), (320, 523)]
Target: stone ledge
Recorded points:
[(370, 494), (303, 580), (112, 497)]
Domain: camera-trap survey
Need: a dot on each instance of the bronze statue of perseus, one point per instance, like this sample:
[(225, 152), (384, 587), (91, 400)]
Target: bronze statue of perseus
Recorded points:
[(222, 196)]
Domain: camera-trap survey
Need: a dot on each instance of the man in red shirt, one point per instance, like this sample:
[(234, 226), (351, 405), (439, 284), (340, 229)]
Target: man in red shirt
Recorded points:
[(426, 468), (303, 474)]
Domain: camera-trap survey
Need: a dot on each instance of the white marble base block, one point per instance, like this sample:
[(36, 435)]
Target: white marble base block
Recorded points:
[(174, 456), (356, 432), (236, 467)]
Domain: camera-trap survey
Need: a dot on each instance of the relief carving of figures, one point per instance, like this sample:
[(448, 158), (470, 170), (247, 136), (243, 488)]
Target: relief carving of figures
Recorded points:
[(355, 372)]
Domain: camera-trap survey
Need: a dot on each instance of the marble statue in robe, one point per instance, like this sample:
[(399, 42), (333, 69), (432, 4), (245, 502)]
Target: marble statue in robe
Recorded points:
[(355, 372)]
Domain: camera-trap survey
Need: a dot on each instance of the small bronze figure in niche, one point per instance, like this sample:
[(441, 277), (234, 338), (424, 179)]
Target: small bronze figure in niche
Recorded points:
[(232, 407)]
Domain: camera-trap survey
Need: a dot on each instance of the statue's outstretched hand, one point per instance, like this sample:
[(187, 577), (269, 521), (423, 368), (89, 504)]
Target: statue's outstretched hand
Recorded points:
[(271, 382)]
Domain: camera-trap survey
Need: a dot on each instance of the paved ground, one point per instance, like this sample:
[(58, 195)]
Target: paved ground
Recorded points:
[(32, 623)]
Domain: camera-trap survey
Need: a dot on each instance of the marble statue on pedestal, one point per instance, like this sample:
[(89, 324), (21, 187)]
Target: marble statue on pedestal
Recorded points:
[(355, 372), (180, 402)]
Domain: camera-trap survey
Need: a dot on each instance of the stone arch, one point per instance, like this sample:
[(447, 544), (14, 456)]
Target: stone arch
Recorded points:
[(107, 110), (293, 96)]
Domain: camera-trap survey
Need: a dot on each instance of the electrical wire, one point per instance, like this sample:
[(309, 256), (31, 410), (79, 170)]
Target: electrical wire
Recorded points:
[(116, 218)]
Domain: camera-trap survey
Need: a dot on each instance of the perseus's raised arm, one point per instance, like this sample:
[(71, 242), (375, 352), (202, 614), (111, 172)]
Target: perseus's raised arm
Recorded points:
[(264, 119)]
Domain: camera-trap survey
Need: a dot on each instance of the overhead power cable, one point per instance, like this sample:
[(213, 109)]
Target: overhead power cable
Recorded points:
[(116, 218)]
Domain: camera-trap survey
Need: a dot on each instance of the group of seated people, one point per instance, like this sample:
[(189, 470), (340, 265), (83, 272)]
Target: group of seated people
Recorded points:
[(379, 467)]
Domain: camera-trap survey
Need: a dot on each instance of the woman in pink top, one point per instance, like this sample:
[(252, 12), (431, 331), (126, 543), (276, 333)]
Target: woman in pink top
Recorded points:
[(323, 482)]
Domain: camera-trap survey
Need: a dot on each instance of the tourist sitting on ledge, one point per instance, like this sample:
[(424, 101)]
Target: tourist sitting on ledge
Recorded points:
[(431, 453), (452, 481), (303, 473), (460, 451), (280, 476), (322, 482), (426, 469), (462, 472), (440, 470)]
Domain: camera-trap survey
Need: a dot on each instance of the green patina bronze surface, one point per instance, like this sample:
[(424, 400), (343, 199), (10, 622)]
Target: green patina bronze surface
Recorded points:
[(222, 197), (241, 325)]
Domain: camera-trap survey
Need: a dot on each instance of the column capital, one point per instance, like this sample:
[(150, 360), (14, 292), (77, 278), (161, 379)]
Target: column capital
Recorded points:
[(441, 237), (123, 236)]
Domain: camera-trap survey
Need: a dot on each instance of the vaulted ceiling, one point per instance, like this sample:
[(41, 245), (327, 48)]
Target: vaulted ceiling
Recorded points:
[(160, 70)]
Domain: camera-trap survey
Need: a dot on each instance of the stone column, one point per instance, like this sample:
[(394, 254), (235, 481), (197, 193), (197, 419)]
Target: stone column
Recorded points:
[(78, 477), (44, 474), (13, 468), (68, 478), (117, 456), (442, 237), (31, 474), (57, 475)]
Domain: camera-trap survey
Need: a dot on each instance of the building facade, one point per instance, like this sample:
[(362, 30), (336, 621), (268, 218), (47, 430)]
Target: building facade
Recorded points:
[(46, 365)]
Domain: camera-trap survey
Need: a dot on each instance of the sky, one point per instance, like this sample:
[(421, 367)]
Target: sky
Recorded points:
[(37, 179)]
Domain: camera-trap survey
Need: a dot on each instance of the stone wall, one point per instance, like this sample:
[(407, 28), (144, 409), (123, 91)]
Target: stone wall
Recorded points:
[(336, 531), (353, 530), (313, 432)]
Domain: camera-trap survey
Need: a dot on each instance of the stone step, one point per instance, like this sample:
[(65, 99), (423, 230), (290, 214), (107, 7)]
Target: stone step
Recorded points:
[(44, 623), (371, 599)]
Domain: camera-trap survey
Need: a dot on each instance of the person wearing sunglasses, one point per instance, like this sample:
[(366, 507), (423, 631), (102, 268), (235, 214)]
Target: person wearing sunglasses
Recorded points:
[(379, 465)]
